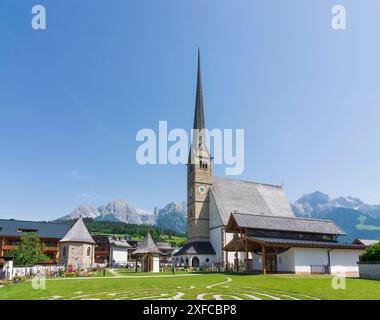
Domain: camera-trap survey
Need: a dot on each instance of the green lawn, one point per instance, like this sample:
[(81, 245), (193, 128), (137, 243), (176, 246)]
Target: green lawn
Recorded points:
[(128, 285)]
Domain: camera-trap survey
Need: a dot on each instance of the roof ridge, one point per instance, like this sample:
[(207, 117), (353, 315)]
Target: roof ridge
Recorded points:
[(272, 216), (30, 221), (251, 182)]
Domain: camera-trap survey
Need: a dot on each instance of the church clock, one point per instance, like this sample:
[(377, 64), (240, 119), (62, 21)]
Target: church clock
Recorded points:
[(202, 189)]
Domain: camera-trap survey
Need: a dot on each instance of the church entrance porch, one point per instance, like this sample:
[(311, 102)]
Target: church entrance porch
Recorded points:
[(264, 257), (277, 255)]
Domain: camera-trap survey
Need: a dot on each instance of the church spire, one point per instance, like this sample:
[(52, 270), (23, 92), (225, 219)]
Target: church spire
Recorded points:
[(199, 118)]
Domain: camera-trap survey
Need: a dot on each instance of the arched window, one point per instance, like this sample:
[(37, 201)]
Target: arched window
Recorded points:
[(88, 251), (64, 251), (195, 262)]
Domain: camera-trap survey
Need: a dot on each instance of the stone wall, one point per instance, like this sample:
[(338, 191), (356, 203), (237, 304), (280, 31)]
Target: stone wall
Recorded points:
[(369, 270)]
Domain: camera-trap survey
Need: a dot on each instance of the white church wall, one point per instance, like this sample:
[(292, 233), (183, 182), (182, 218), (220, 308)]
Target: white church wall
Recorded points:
[(214, 216), (345, 261), (286, 261), (256, 262), (304, 258), (215, 239)]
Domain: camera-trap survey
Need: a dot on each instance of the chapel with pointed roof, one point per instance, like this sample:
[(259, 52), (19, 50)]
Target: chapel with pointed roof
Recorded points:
[(77, 247)]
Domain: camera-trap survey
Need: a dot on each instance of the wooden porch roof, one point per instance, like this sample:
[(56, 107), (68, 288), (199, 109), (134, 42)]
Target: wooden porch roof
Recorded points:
[(255, 243)]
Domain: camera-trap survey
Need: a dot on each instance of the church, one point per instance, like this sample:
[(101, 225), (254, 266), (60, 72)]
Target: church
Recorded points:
[(249, 226)]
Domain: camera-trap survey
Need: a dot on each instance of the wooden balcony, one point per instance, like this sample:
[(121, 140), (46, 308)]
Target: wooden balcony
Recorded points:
[(7, 247)]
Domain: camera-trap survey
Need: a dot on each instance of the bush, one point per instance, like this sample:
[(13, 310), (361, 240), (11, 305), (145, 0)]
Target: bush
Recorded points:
[(371, 254), (19, 278)]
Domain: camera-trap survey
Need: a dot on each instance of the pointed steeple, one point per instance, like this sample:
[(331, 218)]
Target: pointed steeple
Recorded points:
[(199, 118)]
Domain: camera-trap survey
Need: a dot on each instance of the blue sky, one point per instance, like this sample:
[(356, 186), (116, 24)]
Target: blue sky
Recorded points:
[(74, 96)]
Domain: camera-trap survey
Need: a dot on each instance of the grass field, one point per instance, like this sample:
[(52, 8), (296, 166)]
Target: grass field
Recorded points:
[(202, 286)]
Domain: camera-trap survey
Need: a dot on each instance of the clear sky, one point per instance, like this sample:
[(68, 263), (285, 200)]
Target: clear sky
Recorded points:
[(73, 97)]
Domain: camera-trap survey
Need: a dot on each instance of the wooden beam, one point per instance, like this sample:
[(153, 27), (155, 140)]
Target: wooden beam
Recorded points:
[(246, 257), (263, 258)]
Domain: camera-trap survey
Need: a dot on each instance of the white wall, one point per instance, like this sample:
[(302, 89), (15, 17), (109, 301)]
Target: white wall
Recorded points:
[(341, 260), (156, 264), (305, 257), (256, 263), (369, 271), (119, 255), (215, 240), (344, 261), (214, 216), (285, 261)]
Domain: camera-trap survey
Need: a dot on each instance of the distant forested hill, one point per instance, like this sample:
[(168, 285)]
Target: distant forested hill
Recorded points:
[(355, 223), (135, 231)]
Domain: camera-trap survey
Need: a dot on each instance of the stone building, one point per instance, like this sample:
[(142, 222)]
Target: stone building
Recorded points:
[(77, 247)]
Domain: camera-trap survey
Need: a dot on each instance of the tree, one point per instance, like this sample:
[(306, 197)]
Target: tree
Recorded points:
[(29, 251), (371, 254)]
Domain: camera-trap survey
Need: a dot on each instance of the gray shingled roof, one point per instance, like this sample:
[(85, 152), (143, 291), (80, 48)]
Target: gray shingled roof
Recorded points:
[(78, 233), (367, 242), (120, 243), (286, 224), (147, 246), (12, 228), (249, 197), (319, 244), (199, 247)]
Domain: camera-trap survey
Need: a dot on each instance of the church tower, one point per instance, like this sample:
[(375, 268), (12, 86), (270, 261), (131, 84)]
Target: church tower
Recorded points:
[(199, 173)]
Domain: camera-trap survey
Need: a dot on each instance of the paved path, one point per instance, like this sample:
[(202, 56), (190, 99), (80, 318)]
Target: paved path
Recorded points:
[(123, 277)]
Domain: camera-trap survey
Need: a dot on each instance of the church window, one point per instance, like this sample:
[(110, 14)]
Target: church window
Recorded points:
[(207, 260), (88, 251), (64, 251), (203, 164)]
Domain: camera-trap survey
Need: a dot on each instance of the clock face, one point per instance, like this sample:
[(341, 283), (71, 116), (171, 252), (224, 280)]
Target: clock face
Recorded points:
[(202, 189)]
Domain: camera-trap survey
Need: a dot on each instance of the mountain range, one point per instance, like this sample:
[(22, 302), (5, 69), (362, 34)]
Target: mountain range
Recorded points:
[(356, 218), (317, 204), (172, 216)]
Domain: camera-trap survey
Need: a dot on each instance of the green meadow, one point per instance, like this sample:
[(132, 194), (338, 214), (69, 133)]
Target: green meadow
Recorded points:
[(192, 286)]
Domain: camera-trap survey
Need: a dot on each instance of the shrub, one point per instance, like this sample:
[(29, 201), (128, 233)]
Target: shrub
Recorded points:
[(371, 254)]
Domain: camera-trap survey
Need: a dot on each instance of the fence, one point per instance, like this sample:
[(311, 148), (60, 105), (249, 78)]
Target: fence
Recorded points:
[(319, 269), (36, 270)]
